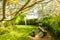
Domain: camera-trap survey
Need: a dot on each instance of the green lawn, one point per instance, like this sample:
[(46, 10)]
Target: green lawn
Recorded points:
[(20, 33)]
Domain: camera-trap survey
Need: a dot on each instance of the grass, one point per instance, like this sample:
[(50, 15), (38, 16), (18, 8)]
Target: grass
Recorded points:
[(20, 33)]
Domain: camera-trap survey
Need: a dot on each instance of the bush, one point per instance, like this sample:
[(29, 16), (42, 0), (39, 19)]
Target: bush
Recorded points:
[(53, 25), (20, 20), (32, 22)]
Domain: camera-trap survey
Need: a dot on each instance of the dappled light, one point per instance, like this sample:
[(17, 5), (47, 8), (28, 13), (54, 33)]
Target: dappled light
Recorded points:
[(29, 19)]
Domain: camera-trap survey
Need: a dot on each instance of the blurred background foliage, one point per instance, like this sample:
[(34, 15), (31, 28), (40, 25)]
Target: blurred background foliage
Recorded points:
[(17, 30), (20, 19), (53, 25)]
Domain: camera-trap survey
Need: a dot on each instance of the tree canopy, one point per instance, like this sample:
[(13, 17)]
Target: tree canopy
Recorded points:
[(12, 8)]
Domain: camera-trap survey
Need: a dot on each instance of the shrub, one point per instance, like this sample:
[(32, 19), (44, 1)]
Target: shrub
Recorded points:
[(20, 19), (53, 25), (31, 22)]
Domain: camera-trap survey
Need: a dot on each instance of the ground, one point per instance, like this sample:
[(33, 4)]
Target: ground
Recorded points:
[(49, 36), (22, 33)]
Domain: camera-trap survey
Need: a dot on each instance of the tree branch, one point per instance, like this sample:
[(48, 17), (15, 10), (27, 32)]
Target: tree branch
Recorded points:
[(22, 8), (35, 3), (4, 7), (58, 1)]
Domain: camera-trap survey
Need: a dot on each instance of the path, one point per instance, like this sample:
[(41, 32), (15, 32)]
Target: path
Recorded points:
[(47, 37)]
